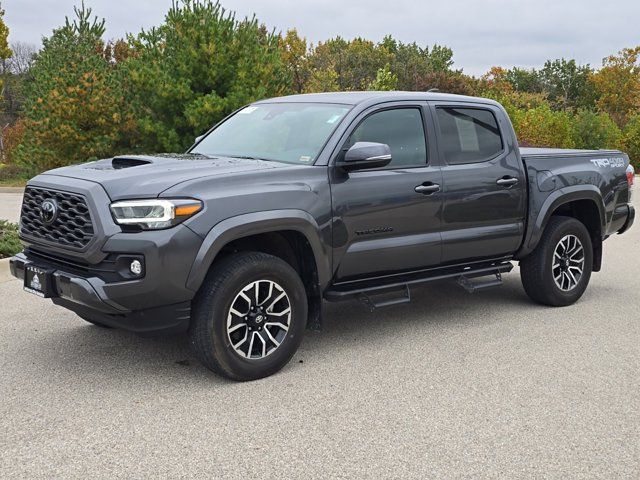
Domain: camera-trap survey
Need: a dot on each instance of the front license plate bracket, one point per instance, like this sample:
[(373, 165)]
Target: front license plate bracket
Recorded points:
[(39, 281)]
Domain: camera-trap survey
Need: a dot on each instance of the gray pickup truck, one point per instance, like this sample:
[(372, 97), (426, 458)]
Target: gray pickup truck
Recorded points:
[(292, 201)]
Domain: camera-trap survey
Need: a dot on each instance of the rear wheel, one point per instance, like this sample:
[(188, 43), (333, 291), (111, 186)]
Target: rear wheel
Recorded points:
[(249, 316), (557, 272)]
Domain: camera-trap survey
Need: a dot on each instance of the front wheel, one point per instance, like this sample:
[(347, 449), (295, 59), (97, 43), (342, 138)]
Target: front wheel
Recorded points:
[(249, 316), (557, 272)]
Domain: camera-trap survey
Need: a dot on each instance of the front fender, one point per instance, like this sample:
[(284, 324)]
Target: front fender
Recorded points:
[(255, 223), (539, 219)]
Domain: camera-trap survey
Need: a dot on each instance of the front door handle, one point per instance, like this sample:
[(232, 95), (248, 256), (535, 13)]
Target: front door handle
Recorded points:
[(507, 181), (427, 188)]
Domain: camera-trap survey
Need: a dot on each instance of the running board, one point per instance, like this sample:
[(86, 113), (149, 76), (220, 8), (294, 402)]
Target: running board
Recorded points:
[(470, 286), (365, 290), (372, 304)]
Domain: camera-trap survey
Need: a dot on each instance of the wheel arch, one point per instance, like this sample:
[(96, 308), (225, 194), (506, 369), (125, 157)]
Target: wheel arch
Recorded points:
[(266, 232), (583, 202)]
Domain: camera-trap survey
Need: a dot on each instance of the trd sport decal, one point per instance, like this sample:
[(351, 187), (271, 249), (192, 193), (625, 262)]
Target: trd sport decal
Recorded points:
[(609, 162)]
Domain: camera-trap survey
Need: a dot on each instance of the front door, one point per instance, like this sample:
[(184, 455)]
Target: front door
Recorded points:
[(387, 220)]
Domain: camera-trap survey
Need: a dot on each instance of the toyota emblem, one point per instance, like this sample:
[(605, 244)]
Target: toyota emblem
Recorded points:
[(48, 211)]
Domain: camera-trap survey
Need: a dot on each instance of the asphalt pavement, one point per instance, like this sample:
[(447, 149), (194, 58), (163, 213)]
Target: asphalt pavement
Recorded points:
[(452, 385)]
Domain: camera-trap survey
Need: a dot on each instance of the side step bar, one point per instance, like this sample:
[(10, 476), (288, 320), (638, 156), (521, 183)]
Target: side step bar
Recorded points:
[(472, 287), (364, 290)]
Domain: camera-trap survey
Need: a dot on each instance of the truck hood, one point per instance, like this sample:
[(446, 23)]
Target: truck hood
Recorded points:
[(143, 176)]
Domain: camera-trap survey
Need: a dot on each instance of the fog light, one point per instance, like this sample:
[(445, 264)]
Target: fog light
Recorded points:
[(136, 267)]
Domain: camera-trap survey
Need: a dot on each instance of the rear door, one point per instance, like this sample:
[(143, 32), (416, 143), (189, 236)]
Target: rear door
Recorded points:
[(388, 219), (484, 184)]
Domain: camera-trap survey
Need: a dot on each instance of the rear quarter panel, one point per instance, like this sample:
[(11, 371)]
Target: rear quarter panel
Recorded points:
[(556, 177)]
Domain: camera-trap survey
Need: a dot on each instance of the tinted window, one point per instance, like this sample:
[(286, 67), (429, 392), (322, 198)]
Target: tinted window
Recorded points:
[(401, 129), (468, 135)]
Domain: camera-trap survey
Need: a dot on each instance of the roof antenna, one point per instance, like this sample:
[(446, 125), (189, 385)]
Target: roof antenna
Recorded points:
[(433, 90)]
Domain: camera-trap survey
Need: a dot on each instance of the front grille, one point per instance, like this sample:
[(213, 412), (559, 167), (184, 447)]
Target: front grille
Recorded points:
[(71, 228)]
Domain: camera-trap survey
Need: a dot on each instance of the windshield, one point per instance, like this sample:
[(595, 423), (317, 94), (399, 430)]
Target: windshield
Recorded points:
[(281, 132)]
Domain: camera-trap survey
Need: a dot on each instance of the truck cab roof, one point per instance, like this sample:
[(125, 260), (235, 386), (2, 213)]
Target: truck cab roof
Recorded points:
[(356, 98)]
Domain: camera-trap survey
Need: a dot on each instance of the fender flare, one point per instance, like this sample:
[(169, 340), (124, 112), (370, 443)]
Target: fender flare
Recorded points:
[(255, 223), (552, 203)]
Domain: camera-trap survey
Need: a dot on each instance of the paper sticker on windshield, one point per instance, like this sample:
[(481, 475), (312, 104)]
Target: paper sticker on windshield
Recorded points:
[(247, 110), (334, 119), (305, 158)]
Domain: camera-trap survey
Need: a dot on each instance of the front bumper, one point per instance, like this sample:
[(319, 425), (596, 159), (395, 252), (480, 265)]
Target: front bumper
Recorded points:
[(159, 301), (71, 287), (81, 295)]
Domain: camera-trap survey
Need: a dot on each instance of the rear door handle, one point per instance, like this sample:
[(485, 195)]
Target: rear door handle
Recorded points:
[(427, 188), (507, 181)]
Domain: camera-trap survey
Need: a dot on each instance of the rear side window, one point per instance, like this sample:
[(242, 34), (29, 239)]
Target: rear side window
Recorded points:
[(468, 135), (400, 128)]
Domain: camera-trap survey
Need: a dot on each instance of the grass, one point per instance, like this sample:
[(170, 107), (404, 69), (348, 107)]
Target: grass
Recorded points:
[(9, 241), (12, 182)]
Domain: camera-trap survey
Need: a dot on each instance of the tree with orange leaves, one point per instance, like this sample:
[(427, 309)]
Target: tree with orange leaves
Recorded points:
[(617, 85)]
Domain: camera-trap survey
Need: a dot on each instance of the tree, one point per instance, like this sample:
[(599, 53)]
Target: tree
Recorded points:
[(497, 80), (385, 80), (74, 107), (617, 85), (197, 67), (566, 83), (338, 64), (497, 84), (593, 130), (294, 56), (14, 75), (523, 80), (631, 140), (421, 68), (22, 56), (5, 51), (543, 127)]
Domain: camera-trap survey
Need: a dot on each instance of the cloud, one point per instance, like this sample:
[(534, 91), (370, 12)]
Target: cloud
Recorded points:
[(481, 33)]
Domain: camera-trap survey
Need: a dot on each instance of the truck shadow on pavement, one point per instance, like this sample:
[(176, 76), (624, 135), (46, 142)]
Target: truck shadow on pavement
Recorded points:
[(90, 351)]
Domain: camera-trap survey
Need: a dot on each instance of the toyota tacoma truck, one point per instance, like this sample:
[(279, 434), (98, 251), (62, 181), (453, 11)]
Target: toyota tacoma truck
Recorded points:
[(293, 201)]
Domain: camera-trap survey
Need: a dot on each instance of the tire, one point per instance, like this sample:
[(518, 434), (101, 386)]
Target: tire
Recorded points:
[(551, 279), (217, 331)]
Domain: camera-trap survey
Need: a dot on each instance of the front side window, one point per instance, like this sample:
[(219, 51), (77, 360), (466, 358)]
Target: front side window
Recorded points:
[(280, 132), (468, 135), (400, 128)]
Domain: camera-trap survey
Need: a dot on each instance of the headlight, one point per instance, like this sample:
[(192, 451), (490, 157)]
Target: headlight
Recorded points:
[(154, 214)]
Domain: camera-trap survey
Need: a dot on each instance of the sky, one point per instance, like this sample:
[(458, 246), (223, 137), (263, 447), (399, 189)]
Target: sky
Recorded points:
[(482, 33)]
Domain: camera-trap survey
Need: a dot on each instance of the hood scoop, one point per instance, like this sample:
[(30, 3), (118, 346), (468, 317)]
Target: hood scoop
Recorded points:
[(119, 163)]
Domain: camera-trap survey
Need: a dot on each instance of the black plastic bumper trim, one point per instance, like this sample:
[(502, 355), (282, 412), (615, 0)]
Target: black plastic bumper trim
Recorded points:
[(630, 218)]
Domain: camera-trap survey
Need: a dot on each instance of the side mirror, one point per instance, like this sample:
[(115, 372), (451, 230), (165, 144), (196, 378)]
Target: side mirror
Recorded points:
[(364, 155)]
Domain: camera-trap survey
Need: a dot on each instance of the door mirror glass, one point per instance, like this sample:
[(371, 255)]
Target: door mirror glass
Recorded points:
[(363, 155)]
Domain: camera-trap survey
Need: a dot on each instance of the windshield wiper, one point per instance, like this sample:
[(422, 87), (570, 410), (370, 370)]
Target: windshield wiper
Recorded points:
[(248, 157)]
